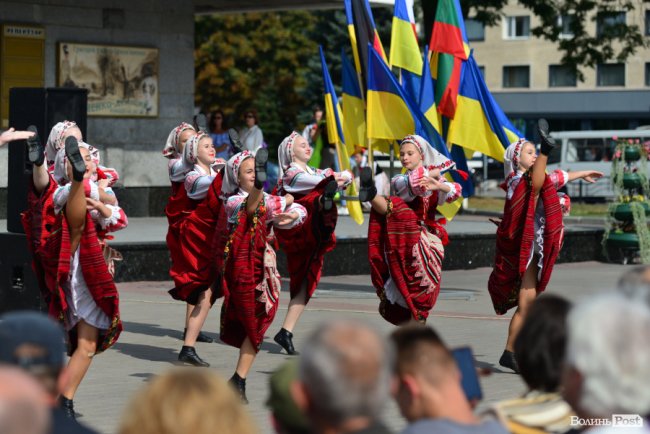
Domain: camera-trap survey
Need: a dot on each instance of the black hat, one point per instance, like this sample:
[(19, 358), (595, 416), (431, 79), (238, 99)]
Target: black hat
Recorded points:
[(34, 328)]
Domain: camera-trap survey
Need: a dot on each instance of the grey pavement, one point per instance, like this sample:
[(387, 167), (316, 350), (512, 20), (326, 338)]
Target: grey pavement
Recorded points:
[(153, 324)]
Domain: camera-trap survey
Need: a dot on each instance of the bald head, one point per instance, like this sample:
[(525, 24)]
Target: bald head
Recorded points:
[(346, 367), (23, 403)]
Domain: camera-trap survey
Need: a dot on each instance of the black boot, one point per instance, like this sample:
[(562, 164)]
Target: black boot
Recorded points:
[(368, 191), (75, 159), (68, 407), (327, 199), (548, 143), (233, 136), (202, 337), (261, 158), (35, 149), (508, 360), (239, 384), (284, 339), (188, 355)]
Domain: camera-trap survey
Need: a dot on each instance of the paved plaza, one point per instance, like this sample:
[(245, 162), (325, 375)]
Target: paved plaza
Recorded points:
[(153, 324)]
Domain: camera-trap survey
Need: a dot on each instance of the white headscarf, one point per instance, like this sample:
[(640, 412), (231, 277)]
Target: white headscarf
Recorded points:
[(431, 159), (191, 150), (172, 146), (231, 174), (60, 171), (285, 153), (512, 157), (55, 139)]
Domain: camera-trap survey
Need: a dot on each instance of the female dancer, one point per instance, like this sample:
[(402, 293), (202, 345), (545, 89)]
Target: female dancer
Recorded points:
[(193, 271), (251, 283), (307, 244), (83, 294), (530, 234), (405, 241), (179, 204)]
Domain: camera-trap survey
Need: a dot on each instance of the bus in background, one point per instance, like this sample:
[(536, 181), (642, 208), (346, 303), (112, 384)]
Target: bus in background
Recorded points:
[(590, 150)]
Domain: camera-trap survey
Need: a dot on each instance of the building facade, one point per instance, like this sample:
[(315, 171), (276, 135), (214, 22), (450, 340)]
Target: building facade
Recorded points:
[(525, 76)]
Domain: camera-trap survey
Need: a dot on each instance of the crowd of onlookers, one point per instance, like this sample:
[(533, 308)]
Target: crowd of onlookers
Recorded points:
[(583, 364)]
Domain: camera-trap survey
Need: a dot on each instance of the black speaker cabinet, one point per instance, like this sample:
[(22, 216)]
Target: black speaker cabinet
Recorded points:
[(42, 107)]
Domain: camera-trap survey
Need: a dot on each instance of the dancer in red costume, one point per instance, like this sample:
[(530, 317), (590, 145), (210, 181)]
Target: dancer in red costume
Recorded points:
[(193, 269), (405, 241), (82, 293), (179, 204), (306, 244), (530, 234), (251, 283)]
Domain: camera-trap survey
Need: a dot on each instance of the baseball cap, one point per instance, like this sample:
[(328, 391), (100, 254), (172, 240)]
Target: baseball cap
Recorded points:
[(280, 401), (36, 329)]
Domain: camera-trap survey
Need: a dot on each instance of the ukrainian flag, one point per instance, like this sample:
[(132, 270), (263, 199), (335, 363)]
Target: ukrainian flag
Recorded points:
[(354, 110), (335, 135), (427, 98), (479, 124), (404, 49)]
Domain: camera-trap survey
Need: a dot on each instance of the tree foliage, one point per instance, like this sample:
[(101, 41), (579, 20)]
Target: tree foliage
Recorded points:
[(617, 41)]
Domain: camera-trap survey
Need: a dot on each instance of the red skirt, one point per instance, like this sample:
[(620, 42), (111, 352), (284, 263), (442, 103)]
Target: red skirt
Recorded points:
[(306, 245), (55, 255), (193, 267), (515, 238), (178, 208), (401, 249), (249, 282), (37, 221)]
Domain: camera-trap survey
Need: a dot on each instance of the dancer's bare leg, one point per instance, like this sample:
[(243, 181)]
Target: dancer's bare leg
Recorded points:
[(527, 295), (82, 357), (197, 317)]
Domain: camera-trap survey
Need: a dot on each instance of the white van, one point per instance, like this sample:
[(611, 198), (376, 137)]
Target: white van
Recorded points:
[(590, 150)]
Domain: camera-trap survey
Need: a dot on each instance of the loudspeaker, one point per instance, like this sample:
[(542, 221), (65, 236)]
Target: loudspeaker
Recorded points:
[(42, 107)]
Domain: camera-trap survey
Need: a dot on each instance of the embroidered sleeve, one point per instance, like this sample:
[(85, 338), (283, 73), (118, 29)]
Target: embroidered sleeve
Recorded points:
[(111, 175), (559, 178), (511, 185), (91, 189), (233, 205), (296, 180), (61, 197), (347, 177), (302, 215), (407, 186), (454, 193), (274, 205), (178, 168), (116, 221), (197, 185)]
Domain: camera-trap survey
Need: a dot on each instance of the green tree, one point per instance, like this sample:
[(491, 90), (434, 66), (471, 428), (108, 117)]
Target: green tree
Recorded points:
[(255, 60), (617, 41)]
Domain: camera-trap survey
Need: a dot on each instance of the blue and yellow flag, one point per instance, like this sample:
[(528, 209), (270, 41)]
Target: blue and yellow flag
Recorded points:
[(404, 49), (354, 110), (335, 136), (427, 97), (479, 124)]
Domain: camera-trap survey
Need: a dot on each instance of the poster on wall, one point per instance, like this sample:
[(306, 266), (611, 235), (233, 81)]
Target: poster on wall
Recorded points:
[(121, 81)]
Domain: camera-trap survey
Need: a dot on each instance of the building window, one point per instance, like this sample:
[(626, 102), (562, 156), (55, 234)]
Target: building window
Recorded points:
[(614, 22), (610, 74), (561, 76), (517, 27), (475, 30), (647, 74), (647, 22), (564, 22), (516, 76)]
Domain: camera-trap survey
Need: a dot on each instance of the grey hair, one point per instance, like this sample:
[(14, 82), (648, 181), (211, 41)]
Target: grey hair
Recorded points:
[(332, 370), (635, 283), (609, 344)]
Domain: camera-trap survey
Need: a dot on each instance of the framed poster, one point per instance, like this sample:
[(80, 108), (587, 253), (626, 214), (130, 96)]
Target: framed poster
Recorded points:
[(121, 81)]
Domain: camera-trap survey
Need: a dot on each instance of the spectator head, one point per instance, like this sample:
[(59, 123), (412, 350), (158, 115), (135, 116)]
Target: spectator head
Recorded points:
[(607, 367), (250, 117), (217, 118), (287, 417), (344, 375), (318, 113), (428, 380), (186, 401), (635, 283), (541, 343), (24, 405), (35, 342)]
